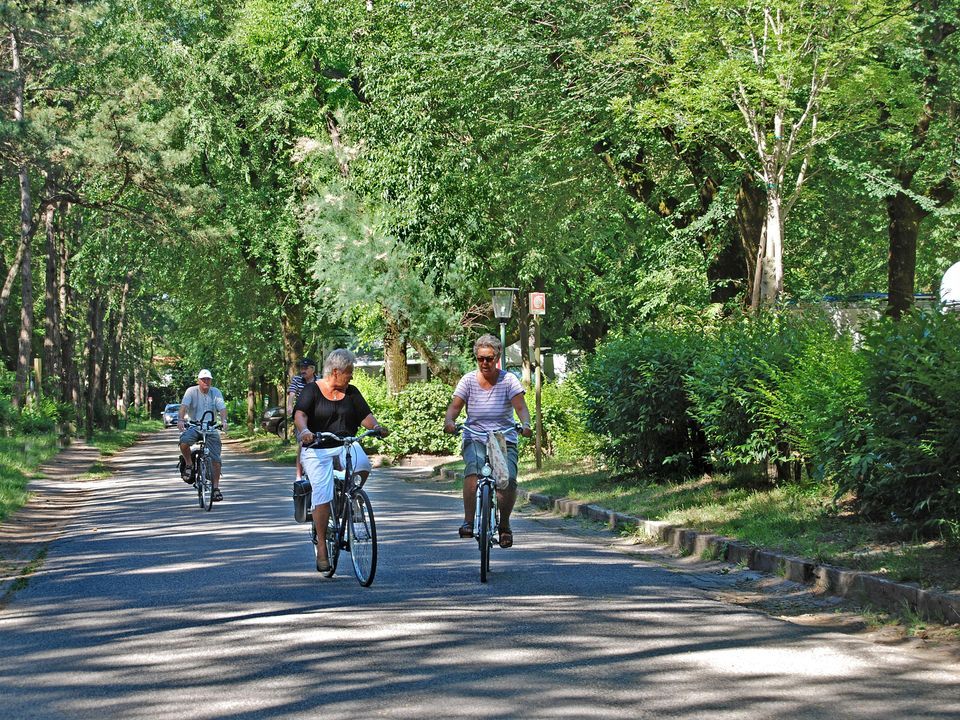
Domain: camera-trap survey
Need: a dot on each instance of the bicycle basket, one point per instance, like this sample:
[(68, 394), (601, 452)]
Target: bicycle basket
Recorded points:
[(497, 457)]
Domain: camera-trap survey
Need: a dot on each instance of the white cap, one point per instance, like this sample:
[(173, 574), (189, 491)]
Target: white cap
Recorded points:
[(204, 374)]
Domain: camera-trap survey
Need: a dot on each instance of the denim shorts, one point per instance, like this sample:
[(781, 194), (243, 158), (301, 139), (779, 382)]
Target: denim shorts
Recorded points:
[(192, 435), (475, 454)]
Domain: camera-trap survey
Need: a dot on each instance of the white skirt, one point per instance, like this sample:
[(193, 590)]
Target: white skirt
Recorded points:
[(317, 465)]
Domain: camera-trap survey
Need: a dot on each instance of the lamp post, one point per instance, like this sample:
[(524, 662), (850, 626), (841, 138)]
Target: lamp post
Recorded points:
[(502, 310)]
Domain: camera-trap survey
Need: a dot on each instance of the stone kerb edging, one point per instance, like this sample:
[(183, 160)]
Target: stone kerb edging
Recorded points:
[(856, 585)]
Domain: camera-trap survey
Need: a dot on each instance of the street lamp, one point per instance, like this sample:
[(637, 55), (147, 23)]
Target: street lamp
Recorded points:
[(502, 309)]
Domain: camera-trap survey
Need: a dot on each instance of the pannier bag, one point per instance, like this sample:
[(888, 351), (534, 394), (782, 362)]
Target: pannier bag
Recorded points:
[(302, 492)]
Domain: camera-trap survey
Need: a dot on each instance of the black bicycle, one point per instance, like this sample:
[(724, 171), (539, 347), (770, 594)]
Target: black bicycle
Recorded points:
[(202, 474), (351, 526), (486, 520)]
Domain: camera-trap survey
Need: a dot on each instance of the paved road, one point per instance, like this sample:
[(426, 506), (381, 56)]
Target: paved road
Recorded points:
[(148, 607)]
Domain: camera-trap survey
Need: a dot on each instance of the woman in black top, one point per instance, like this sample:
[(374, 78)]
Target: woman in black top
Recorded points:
[(331, 404)]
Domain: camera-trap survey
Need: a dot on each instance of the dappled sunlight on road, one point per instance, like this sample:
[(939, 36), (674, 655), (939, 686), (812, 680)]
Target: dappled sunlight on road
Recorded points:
[(150, 607)]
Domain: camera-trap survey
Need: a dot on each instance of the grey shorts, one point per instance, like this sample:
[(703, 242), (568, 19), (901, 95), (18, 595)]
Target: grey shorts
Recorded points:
[(475, 454), (192, 435)]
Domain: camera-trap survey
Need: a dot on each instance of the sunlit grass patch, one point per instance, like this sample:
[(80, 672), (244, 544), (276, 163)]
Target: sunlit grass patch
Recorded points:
[(20, 455)]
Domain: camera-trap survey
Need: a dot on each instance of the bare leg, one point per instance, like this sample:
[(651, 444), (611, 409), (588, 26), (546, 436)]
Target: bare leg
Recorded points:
[(321, 515), (469, 499), (216, 475), (506, 499), (299, 469), (185, 452)]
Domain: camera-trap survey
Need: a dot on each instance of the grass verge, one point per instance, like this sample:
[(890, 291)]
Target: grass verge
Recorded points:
[(801, 520), (268, 444), (20, 456)]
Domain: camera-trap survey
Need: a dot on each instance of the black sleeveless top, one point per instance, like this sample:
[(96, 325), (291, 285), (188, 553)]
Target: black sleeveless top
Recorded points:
[(341, 417)]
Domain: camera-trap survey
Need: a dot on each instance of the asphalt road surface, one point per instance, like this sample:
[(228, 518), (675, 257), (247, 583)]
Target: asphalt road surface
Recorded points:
[(148, 607)]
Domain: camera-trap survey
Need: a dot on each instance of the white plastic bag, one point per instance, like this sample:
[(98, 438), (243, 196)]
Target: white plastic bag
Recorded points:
[(497, 457)]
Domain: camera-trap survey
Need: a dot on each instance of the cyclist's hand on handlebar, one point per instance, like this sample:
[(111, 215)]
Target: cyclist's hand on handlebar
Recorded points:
[(449, 426), (526, 431), (381, 430)]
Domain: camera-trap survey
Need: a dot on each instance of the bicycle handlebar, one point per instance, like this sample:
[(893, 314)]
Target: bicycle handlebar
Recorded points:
[(460, 427), (319, 437)]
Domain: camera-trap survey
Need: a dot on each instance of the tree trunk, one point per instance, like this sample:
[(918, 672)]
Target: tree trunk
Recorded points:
[(71, 391), (105, 359), (291, 325), (251, 396), (768, 284), (751, 207), (25, 341), (446, 371), (92, 394), (114, 389), (52, 355), (903, 228), (394, 356)]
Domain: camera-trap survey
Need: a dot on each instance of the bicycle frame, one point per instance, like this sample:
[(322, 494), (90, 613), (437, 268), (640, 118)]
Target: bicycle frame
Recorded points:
[(202, 464), (486, 519)]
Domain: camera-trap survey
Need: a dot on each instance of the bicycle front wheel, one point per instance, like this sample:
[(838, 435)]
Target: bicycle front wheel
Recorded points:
[(363, 537), (485, 538), (204, 485), (333, 535)]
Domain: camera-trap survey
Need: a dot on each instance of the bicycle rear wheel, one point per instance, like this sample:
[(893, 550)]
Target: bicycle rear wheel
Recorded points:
[(363, 537), (485, 538), (333, 534)]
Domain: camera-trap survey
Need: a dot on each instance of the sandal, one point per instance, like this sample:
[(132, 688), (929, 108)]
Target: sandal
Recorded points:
[(323, 565), (506, 539), (466, 530), (217, 495)]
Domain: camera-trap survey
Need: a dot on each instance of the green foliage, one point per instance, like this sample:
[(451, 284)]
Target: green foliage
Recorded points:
[(634, 397), (818, 401), (725, 383), (913, 396), (414, 416), (564, 424)]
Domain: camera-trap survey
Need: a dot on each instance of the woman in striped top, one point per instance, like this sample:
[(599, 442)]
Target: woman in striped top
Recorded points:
[(491, 396)]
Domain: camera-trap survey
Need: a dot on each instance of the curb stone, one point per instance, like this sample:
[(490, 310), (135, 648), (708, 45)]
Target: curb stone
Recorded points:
[(851, 584)]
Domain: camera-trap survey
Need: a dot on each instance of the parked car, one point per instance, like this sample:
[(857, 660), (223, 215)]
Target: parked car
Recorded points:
[(170, 413), (273, 420)]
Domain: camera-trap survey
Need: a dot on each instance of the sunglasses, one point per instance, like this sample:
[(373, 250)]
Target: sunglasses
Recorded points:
[(486, 358)]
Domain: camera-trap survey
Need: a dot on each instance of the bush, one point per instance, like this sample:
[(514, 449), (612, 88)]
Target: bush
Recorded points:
[(913, 396), (818, 400), (634, 397), (415, 416), (564, 424), (727, 383)]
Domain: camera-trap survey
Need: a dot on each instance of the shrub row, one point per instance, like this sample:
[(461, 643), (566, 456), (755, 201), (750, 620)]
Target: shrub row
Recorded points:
[(415, 418), (879, 417)]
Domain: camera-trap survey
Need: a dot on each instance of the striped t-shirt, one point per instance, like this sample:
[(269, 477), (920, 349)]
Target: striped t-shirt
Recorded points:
[(296, 386), (489, 410)]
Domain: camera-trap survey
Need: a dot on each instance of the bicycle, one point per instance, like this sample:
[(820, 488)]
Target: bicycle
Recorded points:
[(486, 520), (351, 526), (202, 474)]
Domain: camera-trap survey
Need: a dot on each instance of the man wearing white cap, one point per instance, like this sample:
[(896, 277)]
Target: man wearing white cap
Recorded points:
[(197, 400)]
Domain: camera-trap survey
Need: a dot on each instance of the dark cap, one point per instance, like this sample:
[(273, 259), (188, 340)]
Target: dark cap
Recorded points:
[(308, 362)]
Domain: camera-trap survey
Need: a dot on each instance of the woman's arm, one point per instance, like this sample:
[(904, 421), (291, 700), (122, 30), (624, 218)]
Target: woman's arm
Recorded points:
[(370, 423), (453, 412), (520, 406)]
